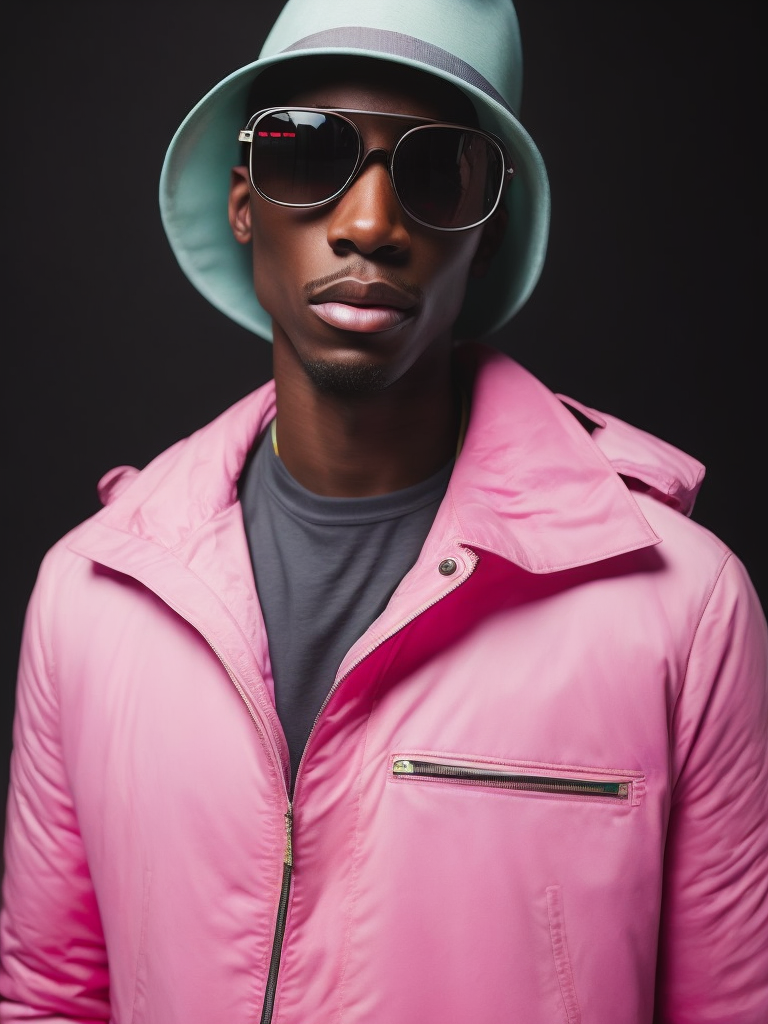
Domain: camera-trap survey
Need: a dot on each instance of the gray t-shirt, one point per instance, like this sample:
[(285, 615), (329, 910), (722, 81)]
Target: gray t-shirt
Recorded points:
[(325, 568)]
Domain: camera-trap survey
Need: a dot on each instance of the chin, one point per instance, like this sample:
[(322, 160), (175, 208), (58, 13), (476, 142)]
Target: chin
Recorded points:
[(346, 378)]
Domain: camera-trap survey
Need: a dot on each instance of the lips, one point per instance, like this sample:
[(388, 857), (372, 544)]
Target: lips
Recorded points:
[(364, 306)]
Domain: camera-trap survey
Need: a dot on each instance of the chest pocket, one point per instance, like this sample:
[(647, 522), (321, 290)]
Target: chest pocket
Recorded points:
[(617, 787)]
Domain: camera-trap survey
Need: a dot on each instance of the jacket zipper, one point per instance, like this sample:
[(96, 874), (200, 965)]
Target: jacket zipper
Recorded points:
[(618, 790), (282, 914), (285, 889)]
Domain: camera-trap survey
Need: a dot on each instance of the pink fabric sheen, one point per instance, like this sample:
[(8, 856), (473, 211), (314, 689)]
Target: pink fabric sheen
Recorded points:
[(590, 631)]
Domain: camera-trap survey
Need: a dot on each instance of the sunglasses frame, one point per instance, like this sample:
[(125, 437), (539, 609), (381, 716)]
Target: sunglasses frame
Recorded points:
[(246, 135)]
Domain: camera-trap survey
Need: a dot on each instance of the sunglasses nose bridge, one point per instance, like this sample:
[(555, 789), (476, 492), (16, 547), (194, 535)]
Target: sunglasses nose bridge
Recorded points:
[(369, 157), (368, 215), (375, 154)]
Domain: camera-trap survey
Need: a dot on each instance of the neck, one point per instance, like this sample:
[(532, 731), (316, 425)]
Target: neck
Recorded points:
[(359, 445)]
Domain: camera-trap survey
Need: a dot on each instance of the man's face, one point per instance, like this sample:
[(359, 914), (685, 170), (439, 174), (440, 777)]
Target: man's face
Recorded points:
[(363, 294)]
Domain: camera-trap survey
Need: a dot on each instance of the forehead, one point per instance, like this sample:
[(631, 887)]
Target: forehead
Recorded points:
[(364, 84)]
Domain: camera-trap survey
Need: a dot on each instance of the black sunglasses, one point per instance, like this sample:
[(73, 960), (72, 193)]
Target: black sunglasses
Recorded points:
[(445, 176)]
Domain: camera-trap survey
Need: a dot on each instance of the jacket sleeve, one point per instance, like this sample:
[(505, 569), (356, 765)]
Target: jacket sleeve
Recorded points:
[(53, 963), (713, 951)]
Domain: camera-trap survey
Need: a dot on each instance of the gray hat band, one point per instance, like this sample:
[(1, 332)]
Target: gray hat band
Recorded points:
[(397, 44)]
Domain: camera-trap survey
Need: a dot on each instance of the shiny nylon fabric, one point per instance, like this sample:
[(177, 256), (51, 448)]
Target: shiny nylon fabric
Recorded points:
[(587, 630)]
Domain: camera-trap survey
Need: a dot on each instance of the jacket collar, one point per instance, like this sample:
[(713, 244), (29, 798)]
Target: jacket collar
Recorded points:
[(530, 483)]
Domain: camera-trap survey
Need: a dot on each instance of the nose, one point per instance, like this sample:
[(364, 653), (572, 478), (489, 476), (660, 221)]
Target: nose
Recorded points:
[(368, 218)]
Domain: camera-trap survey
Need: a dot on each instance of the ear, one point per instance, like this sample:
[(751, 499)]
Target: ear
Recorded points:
[(490, 240), (240, 204)]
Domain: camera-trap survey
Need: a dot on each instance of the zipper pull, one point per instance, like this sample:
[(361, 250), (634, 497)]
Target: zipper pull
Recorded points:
[(288, 858), (403, 767)]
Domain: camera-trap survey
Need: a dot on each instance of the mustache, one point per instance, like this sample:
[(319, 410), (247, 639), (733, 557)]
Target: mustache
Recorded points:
[(361, 270)]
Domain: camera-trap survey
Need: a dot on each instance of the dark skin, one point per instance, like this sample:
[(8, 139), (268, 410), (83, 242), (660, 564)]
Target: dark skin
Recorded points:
[(363, 410)]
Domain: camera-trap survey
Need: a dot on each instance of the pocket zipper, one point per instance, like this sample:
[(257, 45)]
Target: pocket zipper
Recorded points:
[(618, 790)]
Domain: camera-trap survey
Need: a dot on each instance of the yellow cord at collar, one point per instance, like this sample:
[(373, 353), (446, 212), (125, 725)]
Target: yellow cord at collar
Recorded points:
[(460, 441)]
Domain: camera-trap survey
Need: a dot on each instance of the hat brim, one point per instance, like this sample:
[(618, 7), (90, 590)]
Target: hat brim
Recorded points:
[(194, 186)]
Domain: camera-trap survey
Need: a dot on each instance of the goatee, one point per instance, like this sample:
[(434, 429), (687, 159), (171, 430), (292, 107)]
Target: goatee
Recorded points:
[(345, 379)]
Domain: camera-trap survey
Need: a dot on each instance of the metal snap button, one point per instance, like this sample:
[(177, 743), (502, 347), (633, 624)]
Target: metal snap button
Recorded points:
[(447, 567)]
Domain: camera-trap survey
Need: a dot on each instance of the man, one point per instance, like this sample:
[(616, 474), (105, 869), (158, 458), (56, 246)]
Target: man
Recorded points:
[(405, 691)]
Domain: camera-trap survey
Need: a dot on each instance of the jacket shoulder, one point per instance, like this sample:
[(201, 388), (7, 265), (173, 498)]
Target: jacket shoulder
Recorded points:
[(646, 462)]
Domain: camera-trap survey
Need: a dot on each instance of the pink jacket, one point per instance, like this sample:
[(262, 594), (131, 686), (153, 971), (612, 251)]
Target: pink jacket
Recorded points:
[(546, 753)]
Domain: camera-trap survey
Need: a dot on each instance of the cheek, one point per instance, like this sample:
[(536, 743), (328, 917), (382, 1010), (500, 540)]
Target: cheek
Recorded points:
[(284, 251), (449, 264)]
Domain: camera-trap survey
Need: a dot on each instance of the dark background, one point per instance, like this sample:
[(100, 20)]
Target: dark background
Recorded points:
[(648, 115)]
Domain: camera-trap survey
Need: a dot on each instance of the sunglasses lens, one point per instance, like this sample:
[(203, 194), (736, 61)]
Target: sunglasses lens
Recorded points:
[(301, 157), (448, 177), (444, 176)]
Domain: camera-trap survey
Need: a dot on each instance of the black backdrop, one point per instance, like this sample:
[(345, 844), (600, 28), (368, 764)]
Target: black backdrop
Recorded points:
[(648, 116)]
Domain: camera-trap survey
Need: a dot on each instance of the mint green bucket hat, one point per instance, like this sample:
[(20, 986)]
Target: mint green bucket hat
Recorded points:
[(474, 44)]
